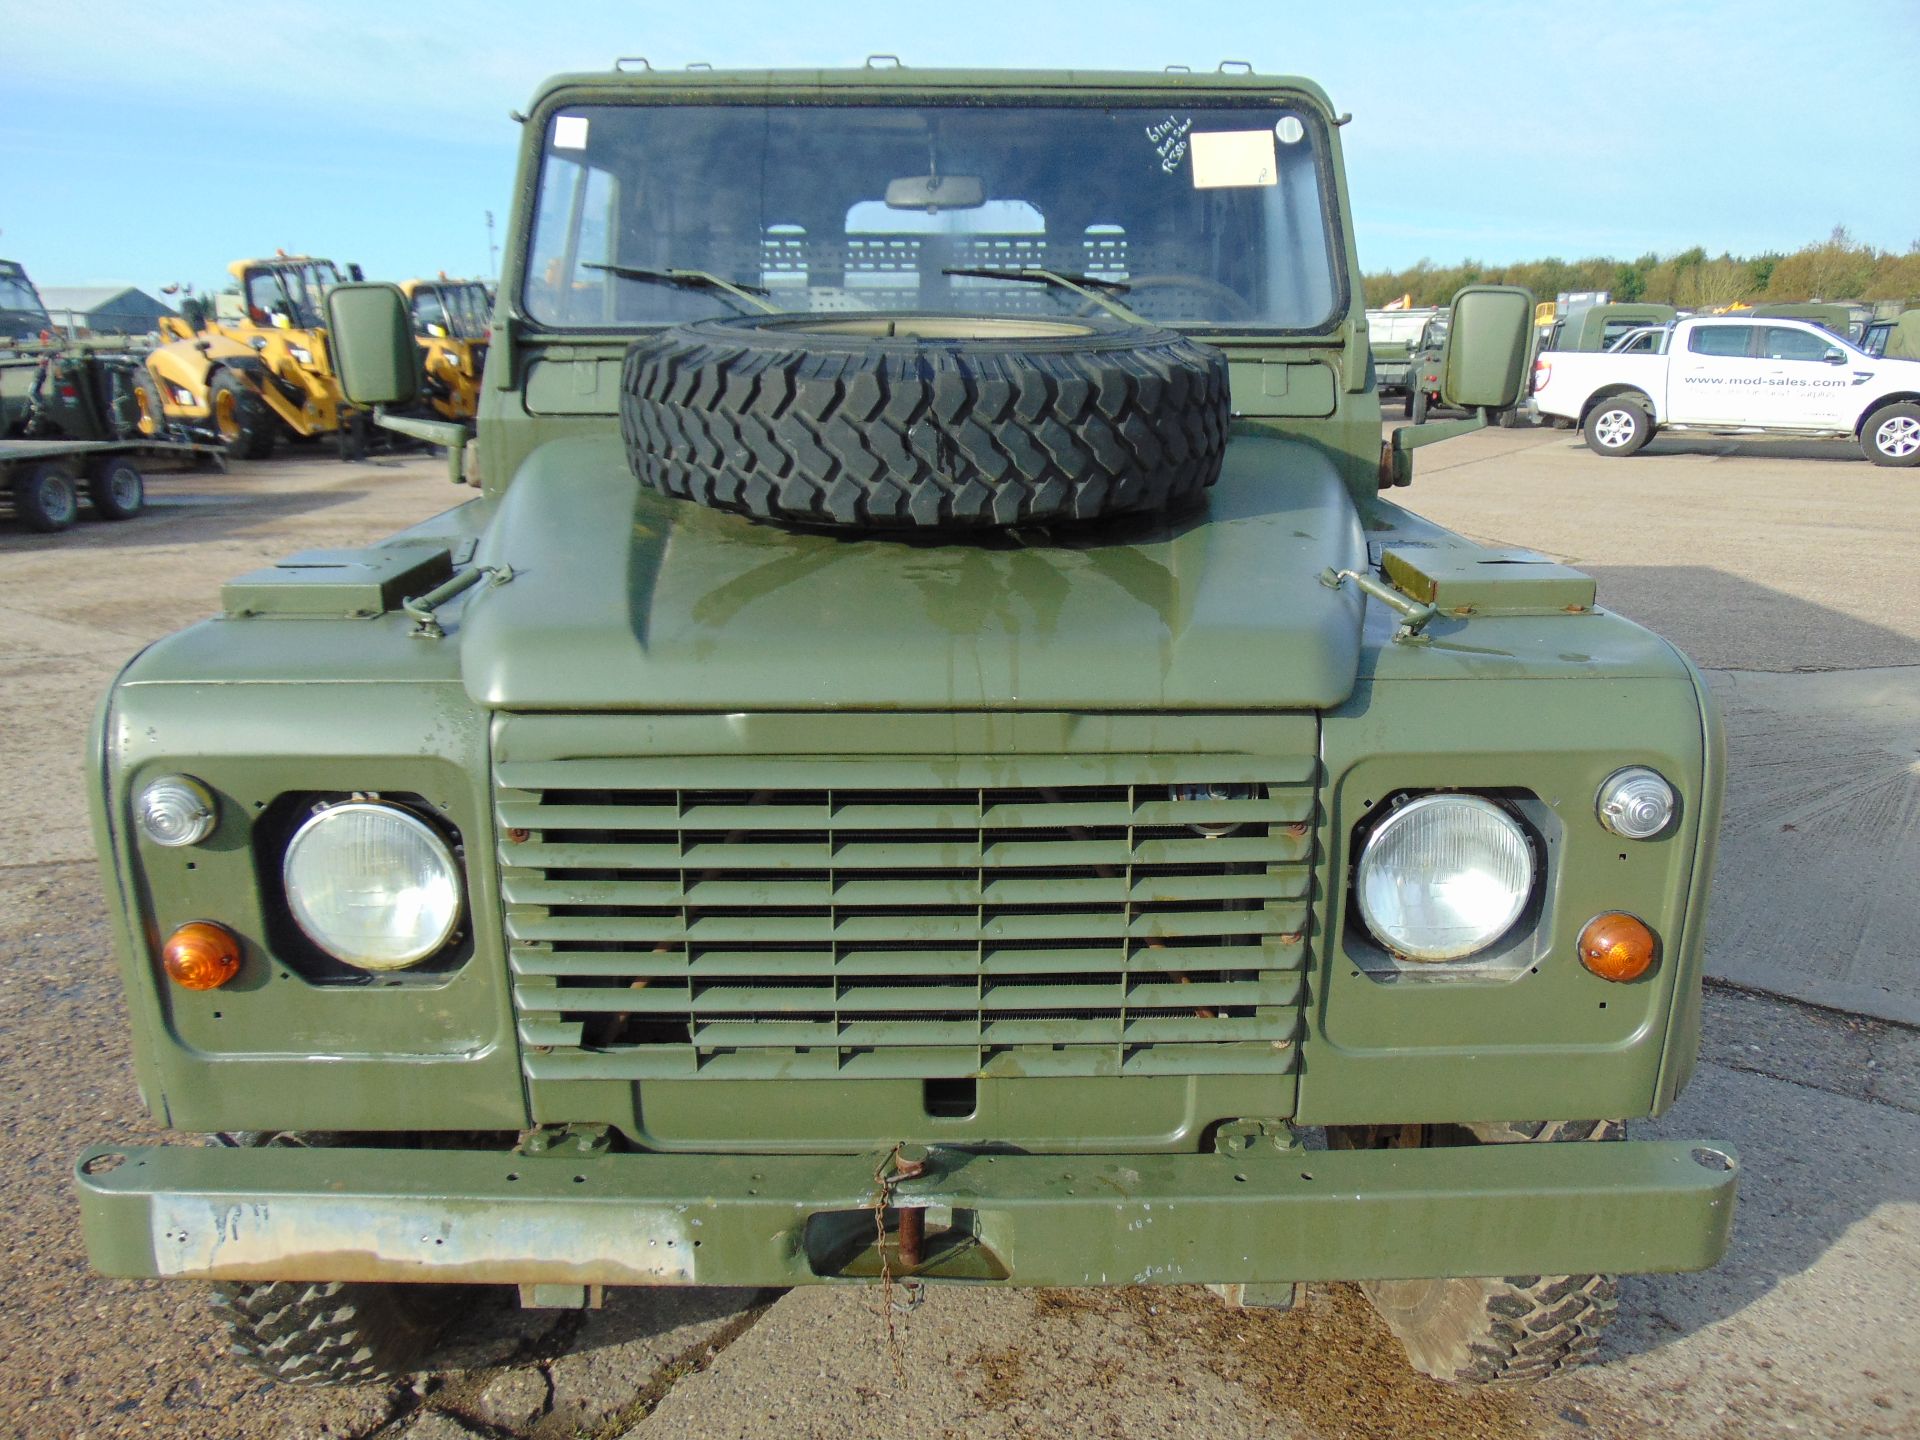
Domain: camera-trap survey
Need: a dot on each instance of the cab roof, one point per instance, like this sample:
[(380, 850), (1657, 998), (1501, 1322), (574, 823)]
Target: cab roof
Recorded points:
[(633, 79)]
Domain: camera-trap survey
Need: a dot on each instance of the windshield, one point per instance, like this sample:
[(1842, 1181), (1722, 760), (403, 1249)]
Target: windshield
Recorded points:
[(21, 312), (459, 309), (295, 290), (1210, 216)]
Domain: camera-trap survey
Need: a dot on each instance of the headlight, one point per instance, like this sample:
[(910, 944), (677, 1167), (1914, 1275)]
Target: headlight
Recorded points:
[(1636, 803), (372, 885), (175, 810), (301, 353), (1444, 876)]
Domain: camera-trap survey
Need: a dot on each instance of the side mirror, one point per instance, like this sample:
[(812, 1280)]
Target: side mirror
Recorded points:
[(1484, 363), (1835, 357), (355, 273), (373, 348)]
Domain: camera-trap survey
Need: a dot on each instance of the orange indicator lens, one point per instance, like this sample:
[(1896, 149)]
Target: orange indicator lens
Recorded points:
[(1616, 946), (201, 956)]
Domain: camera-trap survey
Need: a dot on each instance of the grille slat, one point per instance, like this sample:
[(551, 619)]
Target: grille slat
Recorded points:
[(743, 929)]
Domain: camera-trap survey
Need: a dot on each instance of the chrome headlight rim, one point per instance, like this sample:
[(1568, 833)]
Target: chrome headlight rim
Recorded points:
[(439, 848), (1383, 827)]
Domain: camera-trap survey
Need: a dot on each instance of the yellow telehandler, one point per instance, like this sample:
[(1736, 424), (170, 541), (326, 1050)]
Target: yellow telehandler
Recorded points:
[(260, 367), (450, 320)]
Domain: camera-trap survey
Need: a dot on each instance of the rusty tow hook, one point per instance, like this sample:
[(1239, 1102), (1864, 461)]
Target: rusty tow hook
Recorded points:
[(910, 1163)]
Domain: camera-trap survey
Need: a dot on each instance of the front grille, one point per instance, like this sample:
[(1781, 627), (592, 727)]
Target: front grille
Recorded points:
[(930, 930)]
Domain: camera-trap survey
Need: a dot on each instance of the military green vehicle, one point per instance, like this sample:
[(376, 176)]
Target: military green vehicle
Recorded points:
[(933, 759), (69, 427)]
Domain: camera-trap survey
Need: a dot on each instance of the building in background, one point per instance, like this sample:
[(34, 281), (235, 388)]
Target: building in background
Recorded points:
[(104, 309)]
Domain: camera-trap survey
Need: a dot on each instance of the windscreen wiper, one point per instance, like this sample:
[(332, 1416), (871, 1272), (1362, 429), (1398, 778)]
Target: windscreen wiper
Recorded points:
[(1088, 287), (750, 299)]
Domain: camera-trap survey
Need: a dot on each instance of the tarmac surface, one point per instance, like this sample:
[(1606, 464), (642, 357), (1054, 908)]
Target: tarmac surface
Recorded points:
[(1788, 571)]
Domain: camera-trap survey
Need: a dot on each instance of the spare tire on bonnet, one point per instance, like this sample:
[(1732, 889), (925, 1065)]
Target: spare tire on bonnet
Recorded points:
[(905, 422)]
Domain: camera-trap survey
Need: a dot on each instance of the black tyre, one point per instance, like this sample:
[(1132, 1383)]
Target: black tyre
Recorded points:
[(1891, 435), (149, 407), (1407, 402), (241, 419), (1619, 425), (116, 487), (334, 1333), (1417, 407), (925, 421), (45, 496), (1500, 1330)]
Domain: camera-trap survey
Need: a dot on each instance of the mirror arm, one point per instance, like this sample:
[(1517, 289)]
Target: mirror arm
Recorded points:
[(1396, 459), (449, 434)]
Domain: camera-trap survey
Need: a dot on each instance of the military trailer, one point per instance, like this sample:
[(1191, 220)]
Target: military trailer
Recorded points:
[(69, 424), (935, 758)]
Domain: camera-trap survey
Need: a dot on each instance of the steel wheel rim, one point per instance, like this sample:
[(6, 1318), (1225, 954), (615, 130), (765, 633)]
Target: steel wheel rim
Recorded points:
[(1613, 429), (61, 500), (226, 417), (1898, 437), (124, 485)]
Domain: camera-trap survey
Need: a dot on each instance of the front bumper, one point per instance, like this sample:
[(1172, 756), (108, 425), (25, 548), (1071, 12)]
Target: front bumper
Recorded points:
[(632, 1219)]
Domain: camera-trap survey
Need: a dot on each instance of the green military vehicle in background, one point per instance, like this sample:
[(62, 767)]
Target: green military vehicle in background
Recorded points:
[(935, 757), (69, 425)]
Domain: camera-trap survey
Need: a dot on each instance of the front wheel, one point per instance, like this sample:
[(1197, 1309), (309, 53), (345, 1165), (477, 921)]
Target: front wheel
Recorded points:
[(333, 1333), (240, 418), (1891, 435), (1618, 427), (1496, 1330)]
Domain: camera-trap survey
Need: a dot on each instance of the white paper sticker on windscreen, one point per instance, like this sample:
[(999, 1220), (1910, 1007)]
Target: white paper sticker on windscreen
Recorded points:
[(1223, 158), (569, 132)]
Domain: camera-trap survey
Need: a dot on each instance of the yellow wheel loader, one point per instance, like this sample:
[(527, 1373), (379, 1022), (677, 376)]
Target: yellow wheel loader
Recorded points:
[(260, 368), (450, 320)]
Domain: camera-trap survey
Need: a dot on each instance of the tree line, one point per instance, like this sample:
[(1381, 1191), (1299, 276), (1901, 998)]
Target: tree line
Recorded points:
[(1837, 268)]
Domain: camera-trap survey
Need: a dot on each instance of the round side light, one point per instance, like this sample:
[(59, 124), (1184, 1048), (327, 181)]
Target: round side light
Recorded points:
[(201, 956), (1618, 947), (175, 810), (1636, 803)]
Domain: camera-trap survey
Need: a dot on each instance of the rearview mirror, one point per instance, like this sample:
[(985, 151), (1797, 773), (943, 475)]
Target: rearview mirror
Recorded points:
[(1485, 360), (936, 192), (373, 346)]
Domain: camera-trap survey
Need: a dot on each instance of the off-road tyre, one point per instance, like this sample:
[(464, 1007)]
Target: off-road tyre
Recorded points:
[(1618, 426), (1891, 435), (46, 497), (1502, 1330), (1408, 401), (929, 423), (251, 430), (150, 412), (1417, 407), (116, 487), (333, 1333)]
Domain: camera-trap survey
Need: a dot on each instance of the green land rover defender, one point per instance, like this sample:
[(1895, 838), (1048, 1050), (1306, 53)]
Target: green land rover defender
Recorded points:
[(931, 759)]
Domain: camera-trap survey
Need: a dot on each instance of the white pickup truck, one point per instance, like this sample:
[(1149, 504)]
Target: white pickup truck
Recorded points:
[(1727, 375)]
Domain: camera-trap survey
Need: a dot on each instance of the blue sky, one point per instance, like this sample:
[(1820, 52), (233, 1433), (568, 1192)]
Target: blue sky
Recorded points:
[(153, 143)]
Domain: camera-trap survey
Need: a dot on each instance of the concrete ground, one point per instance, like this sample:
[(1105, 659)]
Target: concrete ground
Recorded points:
[(1788, 571)]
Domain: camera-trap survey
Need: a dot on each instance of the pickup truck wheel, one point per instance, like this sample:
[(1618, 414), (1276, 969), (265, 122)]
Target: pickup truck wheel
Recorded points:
[(1891, 435), (925, 422), (333, 1333), (1500, 1330), (45, 497), (1619, 426)]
